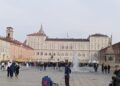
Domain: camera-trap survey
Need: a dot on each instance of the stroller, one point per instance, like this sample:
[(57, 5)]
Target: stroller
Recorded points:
[(55, 84)]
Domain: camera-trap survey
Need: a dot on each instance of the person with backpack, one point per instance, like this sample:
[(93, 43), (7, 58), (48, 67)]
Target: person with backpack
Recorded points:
[(46, 81)]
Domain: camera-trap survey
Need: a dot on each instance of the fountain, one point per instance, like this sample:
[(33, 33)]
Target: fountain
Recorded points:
[(75, 63), (76, 67)]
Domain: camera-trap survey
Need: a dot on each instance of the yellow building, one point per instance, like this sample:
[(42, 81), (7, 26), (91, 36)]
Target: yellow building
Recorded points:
[(4, 49), (11, 49)]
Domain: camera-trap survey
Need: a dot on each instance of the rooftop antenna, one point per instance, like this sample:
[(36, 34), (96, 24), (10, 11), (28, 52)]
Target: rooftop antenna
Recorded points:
[(67, 35)]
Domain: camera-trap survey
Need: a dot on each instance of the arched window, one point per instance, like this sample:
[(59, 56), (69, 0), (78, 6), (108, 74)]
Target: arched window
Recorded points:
[(37, 53), (66, 54), (105, 58), (83, 55), (8, 35), (50, 54), (41, 53), (71, 47), (66, 47), (58, 53), (79, 54), (62, 47), (54, 54), (110, 58), (45, 54)]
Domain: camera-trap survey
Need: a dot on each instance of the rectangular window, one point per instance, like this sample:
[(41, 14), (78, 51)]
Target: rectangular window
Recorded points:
[(37, 53)]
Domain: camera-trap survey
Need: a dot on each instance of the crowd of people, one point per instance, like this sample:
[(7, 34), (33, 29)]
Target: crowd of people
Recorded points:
[(11, 67), (106, 68), (54, 65), (13, 70), (95, 66)]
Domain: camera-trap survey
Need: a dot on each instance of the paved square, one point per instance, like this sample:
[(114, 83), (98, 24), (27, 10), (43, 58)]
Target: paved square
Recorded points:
[(33, 77)]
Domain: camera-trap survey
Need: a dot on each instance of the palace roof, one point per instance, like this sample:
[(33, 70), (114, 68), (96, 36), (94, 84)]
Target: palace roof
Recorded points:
[(110, 49), (16, 42), (66, 39), (98, 35), (39, 33)]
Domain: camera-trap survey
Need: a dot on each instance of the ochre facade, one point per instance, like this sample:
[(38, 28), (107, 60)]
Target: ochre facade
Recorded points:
[(11, 49)]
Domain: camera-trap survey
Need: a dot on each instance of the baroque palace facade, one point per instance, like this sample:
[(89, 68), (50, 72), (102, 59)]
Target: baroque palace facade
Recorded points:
[(11, 49), (60, 49)]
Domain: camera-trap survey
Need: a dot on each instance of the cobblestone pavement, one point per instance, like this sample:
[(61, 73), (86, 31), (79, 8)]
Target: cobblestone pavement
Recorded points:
[(33, 77)]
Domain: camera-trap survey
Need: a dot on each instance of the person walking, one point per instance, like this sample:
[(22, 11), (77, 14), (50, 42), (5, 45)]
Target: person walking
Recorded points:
[(45, 65), (109, 67), (67, 74), (12, 69), (102, 68), (41, 66), (8, 69), (96, 67), (105, 68), (2, 66), (17, 67)]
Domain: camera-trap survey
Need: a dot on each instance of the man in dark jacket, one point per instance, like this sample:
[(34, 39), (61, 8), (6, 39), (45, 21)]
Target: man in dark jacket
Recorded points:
[(12, 69), (67, 74), (102, 68), (116, 76), (17, 67), (109, 67)]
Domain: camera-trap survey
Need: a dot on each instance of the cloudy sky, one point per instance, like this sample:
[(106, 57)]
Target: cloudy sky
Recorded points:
[(78, 18)]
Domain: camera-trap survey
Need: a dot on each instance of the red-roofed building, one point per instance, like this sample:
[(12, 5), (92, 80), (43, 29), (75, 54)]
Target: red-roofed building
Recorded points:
[(11, 49), (110, 54)]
